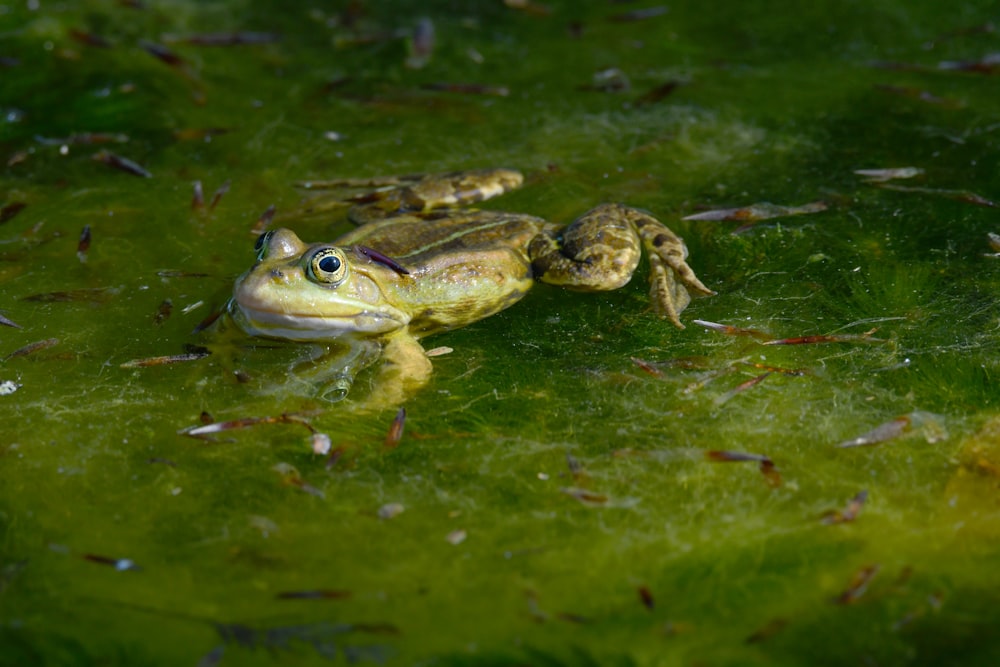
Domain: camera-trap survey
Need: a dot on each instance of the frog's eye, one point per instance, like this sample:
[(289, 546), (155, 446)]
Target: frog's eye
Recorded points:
[(328, 266), (260, 247)]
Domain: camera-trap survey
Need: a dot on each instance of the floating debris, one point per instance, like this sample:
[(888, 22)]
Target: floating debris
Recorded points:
[(163, 312), (199, 133), (319, 594), (88, 294), (264, 221), (321, 443), (456, 537), (89, 38), (421, 44), (121, 163), (724, 456), (528, 7), (5, 321), (224, 38), (710, 376), (887, 431), (884, 175), (770, 473), (246, 422), (209, 320), (639, 14), (177, 273), (575, 467), (865, 337), (468, 88), (928, 423), (646, 597), (86, 139), (795, 372), (120, 564), (858, 586), (957, 195), (327, 639), (647, 367), (217, 197), (658, 93), (83, 245), (9, 211), (166, 462), (439, 351), (767, 467), (740, 388), (921, 95), (390, 510), (730, 330), (585, 496), (31, 348), (8, 387), (757, 212), (988, 64), (395, 433), (849, 513), (179, 64), (162, 53), (17, 157), (994, 241), (335, 456), (197, 197), (165, 360), (608, 80)]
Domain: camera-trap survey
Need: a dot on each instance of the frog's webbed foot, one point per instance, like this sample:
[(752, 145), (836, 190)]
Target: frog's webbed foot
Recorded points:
[(600, 250), (381, 197), (670, 277)]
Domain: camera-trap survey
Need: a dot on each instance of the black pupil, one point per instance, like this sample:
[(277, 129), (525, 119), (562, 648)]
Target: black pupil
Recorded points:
[(329, 264)]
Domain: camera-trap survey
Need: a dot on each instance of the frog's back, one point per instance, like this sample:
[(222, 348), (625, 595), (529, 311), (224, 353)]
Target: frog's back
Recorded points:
[(415, 240), (462, 266)]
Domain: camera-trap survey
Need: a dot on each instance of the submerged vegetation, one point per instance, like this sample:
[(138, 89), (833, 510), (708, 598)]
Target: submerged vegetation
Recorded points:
[(806, 474)]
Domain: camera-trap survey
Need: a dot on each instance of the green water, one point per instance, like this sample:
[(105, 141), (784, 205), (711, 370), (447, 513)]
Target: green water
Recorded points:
[(579, 481)]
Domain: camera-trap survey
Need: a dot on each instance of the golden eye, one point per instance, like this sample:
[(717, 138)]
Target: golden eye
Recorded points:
[(328, 266)]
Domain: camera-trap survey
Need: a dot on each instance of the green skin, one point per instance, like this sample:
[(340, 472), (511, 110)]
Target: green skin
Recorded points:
[(415, 268)]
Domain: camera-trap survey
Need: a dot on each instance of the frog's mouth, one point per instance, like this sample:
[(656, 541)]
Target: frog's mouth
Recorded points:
[(352, 321)]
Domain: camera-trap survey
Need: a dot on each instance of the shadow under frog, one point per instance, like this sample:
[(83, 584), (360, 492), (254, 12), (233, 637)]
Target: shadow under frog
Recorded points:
[(418, 264)]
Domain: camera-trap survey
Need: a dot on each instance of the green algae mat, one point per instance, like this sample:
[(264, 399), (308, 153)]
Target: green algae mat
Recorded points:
[(807, 474)]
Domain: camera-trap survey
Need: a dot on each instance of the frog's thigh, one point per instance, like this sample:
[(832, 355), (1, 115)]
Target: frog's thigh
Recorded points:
[(598, 251)]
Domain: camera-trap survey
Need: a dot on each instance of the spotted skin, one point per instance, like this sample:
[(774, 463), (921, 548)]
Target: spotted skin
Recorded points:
[(418, 265)]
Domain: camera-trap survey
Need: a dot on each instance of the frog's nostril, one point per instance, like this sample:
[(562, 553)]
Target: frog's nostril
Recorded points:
[(277, 274)]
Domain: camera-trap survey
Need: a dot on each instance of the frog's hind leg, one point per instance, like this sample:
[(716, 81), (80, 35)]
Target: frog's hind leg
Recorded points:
[(600, 250)]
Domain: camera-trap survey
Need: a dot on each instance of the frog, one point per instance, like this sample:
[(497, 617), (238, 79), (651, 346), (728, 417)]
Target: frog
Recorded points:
[(420, 261)]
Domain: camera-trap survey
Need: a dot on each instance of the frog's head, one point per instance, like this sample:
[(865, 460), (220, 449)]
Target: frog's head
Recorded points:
[(314, 292)]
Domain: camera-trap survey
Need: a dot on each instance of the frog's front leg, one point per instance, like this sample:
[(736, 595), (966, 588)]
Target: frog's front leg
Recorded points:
[(600, 250), (404, 369)]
